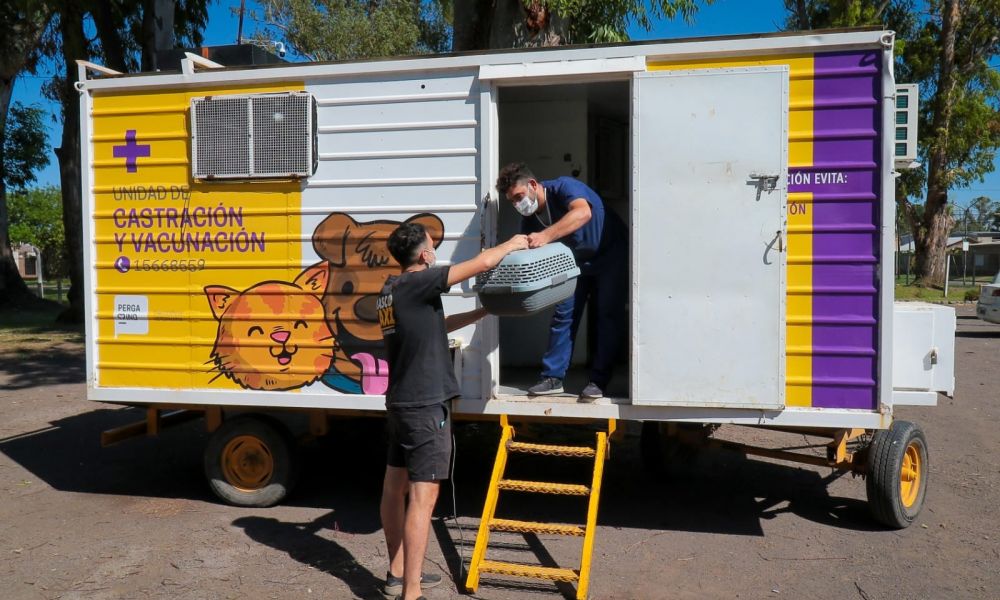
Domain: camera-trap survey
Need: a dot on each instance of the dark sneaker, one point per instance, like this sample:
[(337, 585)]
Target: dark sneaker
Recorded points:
[(548, 385), (394, 585), (591, 393)]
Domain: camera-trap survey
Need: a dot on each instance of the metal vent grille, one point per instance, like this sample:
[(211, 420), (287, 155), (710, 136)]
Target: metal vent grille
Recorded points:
[(223, 148), (281, 131), (247, 137)]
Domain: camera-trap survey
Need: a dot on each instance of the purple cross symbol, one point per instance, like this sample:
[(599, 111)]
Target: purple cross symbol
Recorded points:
[(131, 151)]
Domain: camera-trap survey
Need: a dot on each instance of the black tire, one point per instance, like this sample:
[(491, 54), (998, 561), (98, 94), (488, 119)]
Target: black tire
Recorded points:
[(248, 462), (887, 455)]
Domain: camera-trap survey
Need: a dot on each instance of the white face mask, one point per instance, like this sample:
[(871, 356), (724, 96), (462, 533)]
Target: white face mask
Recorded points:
[(527, 205)]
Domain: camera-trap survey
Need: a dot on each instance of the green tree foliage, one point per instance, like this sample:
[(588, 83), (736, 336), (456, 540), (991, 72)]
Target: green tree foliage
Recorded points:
[(36, 219), (25, 147), (353, 29), (520, 23), (980, 214), (22, 26), (604, 21), (129, 33), (899, 15)]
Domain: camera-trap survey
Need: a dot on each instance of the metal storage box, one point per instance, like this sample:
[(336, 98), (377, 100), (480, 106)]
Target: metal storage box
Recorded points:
[(528, 281)]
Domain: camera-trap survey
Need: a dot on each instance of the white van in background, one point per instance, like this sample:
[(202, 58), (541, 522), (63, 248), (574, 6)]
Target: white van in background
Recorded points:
[(988, 307)]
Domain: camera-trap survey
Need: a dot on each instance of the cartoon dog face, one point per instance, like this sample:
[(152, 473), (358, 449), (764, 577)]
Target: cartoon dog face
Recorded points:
[(359, 265)]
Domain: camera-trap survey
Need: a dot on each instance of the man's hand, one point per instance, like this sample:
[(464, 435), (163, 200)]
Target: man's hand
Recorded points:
[(517, 242), (486, 260), (537, 240)]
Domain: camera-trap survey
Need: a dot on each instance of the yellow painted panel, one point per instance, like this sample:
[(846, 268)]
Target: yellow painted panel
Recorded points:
[(162, 239)]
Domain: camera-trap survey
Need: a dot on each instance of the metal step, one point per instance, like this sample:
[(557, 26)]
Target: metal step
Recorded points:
[(543, 487), (551, 449), (531, 527), (530, 571)]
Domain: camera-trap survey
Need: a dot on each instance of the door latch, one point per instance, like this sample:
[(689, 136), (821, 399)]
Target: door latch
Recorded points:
[(765, 183)]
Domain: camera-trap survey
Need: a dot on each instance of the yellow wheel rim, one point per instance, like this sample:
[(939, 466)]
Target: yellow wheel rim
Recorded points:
[(247, 463), (910, 475)]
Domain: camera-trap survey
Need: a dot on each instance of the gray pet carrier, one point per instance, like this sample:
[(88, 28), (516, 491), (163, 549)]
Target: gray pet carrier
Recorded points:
[(527, 281)]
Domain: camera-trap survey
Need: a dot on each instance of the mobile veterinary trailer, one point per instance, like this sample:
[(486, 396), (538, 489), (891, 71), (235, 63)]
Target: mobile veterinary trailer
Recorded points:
[(236, 222)]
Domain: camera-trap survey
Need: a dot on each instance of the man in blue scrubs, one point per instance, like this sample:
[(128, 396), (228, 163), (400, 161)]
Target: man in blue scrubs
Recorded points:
[(566, 210)]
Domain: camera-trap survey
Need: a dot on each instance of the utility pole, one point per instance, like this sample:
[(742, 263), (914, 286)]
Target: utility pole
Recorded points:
[(965, 246), (239, 33)]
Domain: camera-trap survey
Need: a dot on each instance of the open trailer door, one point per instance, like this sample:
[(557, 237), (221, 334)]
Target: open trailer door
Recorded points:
[(708, 260)]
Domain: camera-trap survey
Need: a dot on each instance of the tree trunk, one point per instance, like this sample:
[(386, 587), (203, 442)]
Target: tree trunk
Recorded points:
[(12, 286), (471, 19), (157, 31), (936, 223), (73, 47), (109, 31), (481, 25), (802, 15)]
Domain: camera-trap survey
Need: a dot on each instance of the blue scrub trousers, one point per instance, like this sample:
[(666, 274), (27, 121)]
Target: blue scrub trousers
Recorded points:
[(606, 289)]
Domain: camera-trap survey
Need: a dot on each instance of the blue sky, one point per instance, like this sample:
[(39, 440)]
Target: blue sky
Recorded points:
[(724, 17)]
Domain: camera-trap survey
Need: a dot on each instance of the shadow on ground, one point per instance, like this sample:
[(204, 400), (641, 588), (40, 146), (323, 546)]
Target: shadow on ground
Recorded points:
[(302, 542), (38, 367), (717, 491)]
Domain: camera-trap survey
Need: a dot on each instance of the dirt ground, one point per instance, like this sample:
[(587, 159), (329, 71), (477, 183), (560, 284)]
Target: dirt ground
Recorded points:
[(137, 520)]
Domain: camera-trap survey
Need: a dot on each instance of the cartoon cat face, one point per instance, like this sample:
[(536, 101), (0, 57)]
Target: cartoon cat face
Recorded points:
[(274, 335), (359, 265)]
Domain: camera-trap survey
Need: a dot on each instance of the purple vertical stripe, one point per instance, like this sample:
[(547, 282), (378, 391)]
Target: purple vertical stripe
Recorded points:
[(845, 242)]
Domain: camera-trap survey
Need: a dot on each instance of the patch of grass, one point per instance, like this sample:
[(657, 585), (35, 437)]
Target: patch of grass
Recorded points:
[(23, 329), (956, 293)]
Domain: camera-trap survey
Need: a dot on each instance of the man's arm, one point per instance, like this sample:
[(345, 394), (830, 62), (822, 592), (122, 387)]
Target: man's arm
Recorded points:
[(460, 320), (486, 260), (577, 217)]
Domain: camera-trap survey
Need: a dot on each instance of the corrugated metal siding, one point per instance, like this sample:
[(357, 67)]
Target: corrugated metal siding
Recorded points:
[(390, 149), (139, 149), (833, 217), (846, 229)]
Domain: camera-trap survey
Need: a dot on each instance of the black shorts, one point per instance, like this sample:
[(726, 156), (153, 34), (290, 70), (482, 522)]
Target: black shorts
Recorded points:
[(420, 441)]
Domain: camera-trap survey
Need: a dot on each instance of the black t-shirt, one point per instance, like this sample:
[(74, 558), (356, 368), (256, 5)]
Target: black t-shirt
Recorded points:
[(421, 372)]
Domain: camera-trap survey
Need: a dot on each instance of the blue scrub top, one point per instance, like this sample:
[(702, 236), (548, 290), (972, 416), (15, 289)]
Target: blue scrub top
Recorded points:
[(602, 239)]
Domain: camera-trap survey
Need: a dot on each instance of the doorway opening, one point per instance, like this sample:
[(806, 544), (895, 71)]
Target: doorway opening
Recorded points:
[(579, 130)]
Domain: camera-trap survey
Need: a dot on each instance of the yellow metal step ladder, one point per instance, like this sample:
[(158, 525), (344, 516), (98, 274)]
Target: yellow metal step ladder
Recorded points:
[(489, 522)]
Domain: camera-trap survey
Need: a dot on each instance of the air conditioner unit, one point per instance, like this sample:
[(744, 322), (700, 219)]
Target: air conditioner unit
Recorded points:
[(258, 136), (905, 126)]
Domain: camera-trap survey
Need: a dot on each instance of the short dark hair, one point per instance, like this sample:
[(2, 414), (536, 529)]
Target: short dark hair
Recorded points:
[(511, 175), (405, 242)]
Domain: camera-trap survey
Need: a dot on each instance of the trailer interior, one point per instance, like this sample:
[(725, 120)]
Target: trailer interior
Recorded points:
[(579, 130)]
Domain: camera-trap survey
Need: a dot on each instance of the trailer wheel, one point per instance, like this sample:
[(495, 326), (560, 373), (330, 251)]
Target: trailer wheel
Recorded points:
[(248, 462), (897, 474)]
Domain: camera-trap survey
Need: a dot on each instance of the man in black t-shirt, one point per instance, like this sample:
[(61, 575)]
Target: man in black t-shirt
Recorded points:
[(421, 382)]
